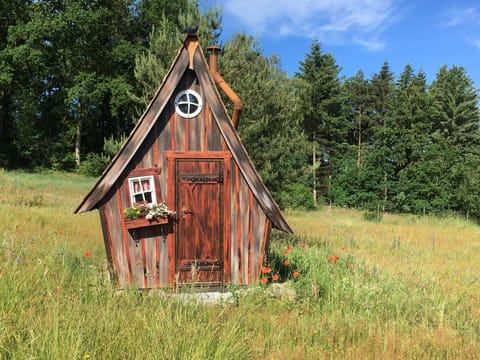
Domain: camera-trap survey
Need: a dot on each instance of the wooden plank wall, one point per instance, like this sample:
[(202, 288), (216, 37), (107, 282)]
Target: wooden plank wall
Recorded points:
[(248, 231), (141, 258)]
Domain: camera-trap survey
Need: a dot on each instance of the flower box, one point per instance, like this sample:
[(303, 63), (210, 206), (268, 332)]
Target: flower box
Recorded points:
[(142, 222)]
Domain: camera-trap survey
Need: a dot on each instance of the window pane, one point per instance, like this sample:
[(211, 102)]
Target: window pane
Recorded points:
[(193, 99), (148, 196), (136, 186), (138, 198), (146, 185)]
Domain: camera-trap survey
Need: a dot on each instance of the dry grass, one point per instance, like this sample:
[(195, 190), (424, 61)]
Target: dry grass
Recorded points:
[(413, 291), (417, 247)]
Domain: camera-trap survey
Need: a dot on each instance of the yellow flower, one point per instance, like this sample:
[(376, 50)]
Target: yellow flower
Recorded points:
[(86, 356)]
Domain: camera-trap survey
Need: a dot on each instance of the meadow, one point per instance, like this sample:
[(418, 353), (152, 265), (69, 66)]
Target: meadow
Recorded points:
[(403, 287)]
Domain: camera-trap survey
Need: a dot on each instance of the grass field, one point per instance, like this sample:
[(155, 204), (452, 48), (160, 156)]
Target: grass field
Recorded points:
[(406, 287)]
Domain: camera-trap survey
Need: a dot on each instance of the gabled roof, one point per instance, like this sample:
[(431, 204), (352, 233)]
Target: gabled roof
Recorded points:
[(189, 55)]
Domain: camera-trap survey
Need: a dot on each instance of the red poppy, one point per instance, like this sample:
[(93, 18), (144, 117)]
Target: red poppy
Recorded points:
[(333, 258), (87, 254), (266, 270), (264, 280), (275, 277), (303, 245), (286, 262), (296, 274), (285, 252), (60, 232), (289, 247)]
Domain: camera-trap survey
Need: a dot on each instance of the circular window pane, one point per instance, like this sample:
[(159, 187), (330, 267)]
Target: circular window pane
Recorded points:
[(188, 103)]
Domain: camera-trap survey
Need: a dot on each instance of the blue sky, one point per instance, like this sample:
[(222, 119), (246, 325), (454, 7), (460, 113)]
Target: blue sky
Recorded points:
[(362, 34)]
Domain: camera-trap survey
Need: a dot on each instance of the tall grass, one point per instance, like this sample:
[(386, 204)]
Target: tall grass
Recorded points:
[(406, 287)]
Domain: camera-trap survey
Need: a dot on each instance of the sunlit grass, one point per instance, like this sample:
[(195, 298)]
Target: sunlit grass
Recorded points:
[(405, 287)]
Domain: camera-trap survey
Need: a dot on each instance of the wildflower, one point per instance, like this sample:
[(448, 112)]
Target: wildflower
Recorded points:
[(264, 280), (266, 270), (286, 262), (303, 245), (289, 247), (296, 274), (87, 254), (60, 232), (344, 248), (285, 252), (19, 259), (275, 277), (333, 258), (86, 356)]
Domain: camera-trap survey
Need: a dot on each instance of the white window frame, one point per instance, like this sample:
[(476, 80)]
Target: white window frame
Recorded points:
[(179, 102), (141, 189)]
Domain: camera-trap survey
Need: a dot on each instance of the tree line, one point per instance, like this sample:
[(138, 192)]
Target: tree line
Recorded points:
[(75, 75)]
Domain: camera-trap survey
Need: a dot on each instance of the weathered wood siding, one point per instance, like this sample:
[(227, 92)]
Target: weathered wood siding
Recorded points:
[(143, 257)]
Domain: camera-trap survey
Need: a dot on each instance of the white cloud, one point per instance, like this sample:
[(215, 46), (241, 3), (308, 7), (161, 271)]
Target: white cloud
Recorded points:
[(327, 20), (460, 16), (371, 44)]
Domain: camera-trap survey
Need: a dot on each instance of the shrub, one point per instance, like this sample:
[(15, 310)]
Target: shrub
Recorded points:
[(94, 164), (297, 196)]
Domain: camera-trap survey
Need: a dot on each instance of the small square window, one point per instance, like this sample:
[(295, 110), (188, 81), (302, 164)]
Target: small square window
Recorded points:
[(142, 189)]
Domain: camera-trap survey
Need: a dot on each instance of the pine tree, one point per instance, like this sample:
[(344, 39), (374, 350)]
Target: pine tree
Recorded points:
[(455, 110), (358, 111), (270, 126), (165, 37), (381, 157), (322, 107)]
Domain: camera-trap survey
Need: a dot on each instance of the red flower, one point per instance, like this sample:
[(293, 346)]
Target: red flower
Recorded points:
[(303, 245), (60, 232), (289, 247), (264, 280), (87, 254), (266, 270), (275, 277), (333, 258), (296, 274), (286, 262), (285, 252)]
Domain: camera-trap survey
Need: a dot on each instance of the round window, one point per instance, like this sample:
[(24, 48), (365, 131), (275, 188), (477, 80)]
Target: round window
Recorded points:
[(188, 103)]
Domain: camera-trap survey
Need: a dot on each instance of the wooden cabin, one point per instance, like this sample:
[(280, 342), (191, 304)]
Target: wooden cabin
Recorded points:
[(185, 153)]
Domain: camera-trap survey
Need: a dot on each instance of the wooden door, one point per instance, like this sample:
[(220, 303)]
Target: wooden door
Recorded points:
[(199, 234)]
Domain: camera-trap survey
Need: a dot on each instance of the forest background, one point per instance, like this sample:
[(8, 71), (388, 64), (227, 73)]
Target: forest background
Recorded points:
[(75, 76)]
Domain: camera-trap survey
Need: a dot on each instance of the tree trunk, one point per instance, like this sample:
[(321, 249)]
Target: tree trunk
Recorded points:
[(359, 155), (314, 160), (385, 191), (2, 120), (78, 137)]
